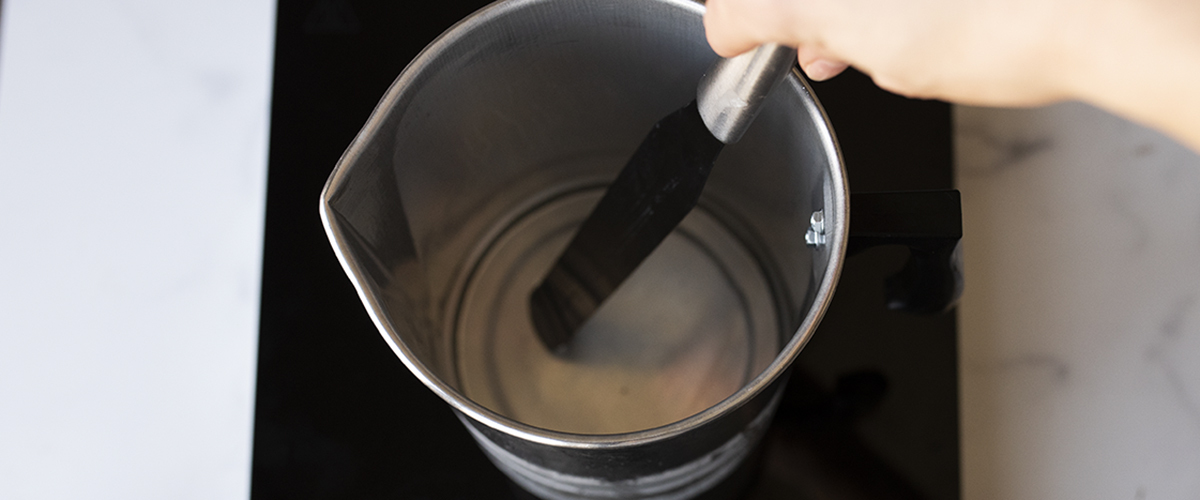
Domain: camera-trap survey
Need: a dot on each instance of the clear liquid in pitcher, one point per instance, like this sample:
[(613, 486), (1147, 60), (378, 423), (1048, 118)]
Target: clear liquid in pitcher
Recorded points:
[(692, 325)]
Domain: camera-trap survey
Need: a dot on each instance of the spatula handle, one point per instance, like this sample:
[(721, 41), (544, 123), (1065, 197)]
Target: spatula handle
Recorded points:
[(732, 91)]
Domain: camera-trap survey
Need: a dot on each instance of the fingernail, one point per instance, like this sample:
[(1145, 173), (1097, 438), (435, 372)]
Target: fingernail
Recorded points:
[(823, 69)]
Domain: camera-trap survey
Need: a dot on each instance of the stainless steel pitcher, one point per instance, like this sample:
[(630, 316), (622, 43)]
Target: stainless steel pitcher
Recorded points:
[(466, 182)]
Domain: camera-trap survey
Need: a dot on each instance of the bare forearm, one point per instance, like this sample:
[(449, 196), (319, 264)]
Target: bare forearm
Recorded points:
[(1141, 59)]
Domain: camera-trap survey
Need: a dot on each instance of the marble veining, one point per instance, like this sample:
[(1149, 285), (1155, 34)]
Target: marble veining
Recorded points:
[(1080, 323), (998, 152), (1169, 347), (1136, 232)]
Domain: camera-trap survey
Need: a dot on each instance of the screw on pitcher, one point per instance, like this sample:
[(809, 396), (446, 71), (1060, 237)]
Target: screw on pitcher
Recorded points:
[(815, 236)]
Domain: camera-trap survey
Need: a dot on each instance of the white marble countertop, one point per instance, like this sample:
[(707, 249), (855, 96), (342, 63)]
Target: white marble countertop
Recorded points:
[(1080, 323), (133, 152), (133, 143)]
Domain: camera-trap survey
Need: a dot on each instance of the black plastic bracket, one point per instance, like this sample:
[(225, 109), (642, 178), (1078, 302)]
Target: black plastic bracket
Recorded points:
[(929, 223)]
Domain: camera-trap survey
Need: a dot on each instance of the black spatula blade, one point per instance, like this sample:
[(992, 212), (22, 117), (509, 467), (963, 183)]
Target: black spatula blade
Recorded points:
[(659, 185)]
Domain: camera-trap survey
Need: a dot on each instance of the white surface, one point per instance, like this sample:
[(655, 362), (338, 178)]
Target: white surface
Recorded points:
[(1080, 324), (133, 152)]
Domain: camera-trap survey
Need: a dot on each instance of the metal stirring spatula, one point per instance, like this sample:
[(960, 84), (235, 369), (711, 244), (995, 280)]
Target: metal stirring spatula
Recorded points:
[(659, 185)]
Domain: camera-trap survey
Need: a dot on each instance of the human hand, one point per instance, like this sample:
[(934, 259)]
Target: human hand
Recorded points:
[(998, 52), (1138, 58)]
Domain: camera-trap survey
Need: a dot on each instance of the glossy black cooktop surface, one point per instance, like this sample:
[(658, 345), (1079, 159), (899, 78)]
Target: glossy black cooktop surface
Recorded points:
[(872, 407)]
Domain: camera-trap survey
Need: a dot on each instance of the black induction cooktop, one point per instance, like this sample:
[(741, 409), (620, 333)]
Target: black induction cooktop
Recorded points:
[(871, 411)]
